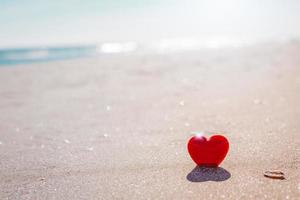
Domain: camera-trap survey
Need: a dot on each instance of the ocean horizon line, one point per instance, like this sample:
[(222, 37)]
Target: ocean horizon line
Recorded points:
[(35, 53)]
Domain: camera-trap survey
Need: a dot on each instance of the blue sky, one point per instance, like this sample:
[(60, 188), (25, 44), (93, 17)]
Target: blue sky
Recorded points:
[(28, 21), (54, 22)]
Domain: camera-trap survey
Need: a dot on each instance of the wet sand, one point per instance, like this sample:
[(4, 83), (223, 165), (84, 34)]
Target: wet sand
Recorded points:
[(116, 126)]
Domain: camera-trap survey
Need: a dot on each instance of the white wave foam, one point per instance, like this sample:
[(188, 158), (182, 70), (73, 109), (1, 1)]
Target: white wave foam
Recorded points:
[(115, 47), (189, 44)]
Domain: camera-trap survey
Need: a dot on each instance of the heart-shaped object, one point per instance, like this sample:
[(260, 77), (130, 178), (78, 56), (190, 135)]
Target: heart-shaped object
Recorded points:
[(208, 152)]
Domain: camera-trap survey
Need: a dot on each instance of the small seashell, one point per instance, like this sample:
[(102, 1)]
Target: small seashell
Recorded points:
[(275, 174)]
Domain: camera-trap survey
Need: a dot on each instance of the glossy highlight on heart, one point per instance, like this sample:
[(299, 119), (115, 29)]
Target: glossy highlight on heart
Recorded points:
[(208, 152)]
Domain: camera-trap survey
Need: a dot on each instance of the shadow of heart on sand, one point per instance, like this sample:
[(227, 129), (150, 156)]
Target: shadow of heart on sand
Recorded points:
[(202, 174)]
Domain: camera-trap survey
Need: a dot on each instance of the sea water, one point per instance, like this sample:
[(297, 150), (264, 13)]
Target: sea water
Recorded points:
[(14, 56)]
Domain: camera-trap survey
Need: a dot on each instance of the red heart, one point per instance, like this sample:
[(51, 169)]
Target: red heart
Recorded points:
[(208, 153)]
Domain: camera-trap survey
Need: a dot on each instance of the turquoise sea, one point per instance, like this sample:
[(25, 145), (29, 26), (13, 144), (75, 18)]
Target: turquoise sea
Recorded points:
[(30, 55)]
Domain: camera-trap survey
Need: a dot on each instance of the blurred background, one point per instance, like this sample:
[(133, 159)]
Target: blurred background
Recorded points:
[(105, 26)]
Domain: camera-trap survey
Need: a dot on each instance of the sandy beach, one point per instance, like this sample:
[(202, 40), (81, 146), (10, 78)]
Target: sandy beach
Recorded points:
[(116, 126)]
